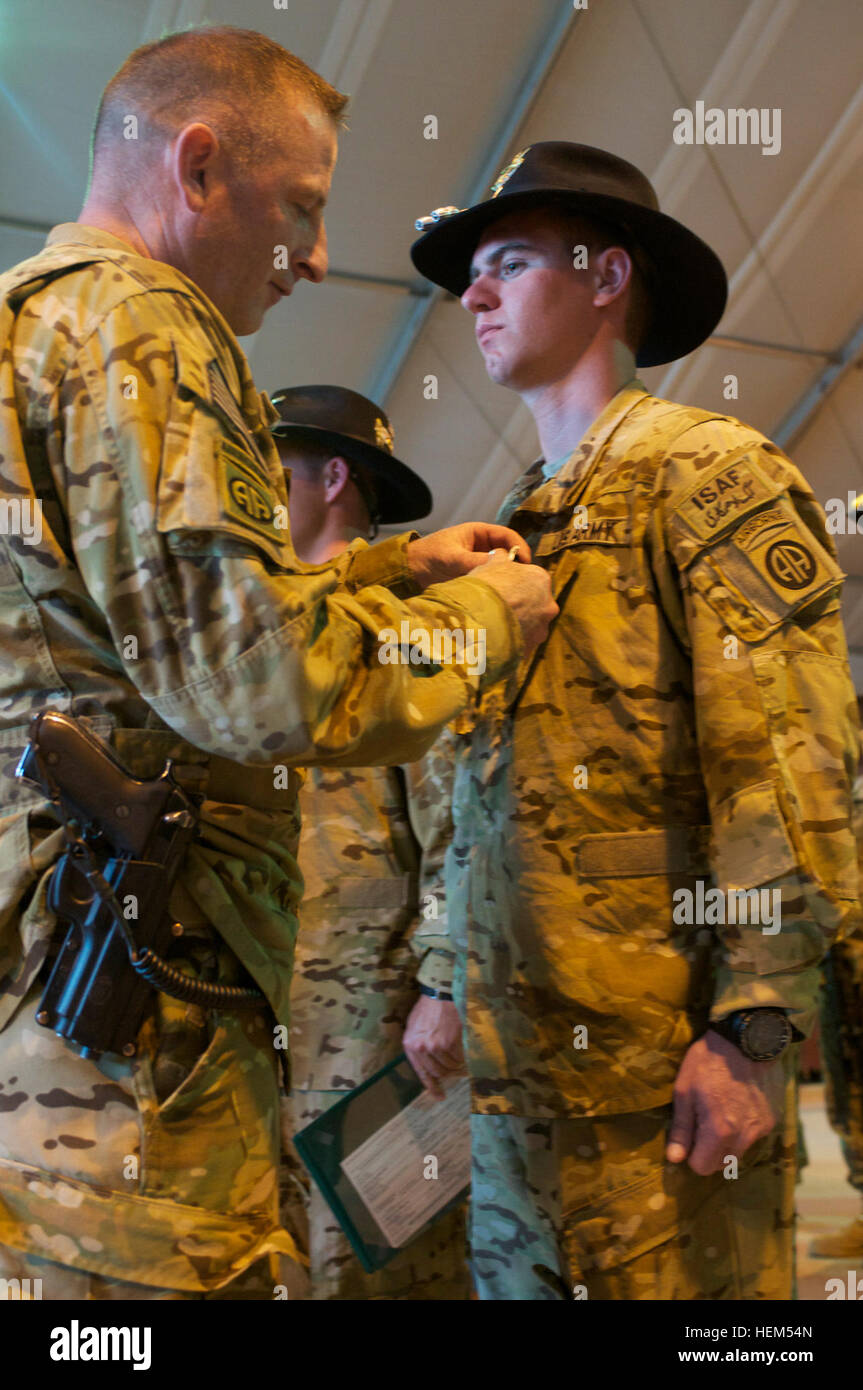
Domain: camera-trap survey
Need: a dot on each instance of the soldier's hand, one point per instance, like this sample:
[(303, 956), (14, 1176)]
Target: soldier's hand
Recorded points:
[(432, 1042), (723, 1103), (457, 550), (527, 590)]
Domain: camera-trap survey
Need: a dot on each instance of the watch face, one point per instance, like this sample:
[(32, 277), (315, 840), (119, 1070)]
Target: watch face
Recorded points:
[(766, 1034)]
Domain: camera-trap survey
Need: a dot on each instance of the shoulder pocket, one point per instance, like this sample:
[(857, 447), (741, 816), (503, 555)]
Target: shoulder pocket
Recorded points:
[(214, 476)]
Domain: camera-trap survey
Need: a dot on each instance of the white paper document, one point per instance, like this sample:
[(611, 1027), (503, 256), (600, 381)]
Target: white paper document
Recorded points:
[(392, 1169)]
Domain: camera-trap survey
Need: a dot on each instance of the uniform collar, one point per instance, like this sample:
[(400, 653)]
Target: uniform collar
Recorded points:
[(254, 403), (81, 235), (535, 493), (596, 435)]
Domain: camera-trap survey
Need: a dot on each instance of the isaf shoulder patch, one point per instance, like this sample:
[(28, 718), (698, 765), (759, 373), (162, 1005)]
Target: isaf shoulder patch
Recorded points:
[(724, 498)]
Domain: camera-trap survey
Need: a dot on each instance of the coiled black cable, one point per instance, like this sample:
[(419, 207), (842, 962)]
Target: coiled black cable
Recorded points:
[(179, 985)]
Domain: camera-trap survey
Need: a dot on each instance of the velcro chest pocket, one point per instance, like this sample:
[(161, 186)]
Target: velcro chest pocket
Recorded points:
[(217, 490)]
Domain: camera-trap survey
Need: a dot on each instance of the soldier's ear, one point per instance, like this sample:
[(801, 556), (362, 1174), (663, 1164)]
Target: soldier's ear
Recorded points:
[(192, 157), (336, 475), (612, 270)]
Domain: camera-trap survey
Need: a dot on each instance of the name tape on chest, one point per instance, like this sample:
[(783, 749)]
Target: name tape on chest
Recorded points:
[(583, 528)]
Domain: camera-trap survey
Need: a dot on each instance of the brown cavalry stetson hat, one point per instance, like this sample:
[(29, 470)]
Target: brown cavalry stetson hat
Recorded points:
[(349, 424), (685, 279)]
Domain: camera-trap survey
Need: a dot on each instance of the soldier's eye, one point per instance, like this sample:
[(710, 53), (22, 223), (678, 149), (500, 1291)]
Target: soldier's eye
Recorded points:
[(511, 265)]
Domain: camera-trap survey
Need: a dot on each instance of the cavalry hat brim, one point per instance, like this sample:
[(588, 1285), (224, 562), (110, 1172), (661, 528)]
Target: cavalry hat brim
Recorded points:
[(401, 493)]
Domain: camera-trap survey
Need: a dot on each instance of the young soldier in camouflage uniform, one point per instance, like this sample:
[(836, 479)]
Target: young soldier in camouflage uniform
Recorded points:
[(689, 727), (371, 855), (163, 604)]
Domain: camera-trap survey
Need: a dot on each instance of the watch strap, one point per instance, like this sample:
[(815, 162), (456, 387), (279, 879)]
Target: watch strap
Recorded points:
[(436, 993)]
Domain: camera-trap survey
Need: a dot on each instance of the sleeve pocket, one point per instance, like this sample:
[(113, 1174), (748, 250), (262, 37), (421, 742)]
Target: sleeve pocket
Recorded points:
[(751, 842)]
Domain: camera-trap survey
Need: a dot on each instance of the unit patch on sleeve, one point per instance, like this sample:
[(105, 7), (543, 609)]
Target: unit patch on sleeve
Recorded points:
[(242, 497), (771, 566)]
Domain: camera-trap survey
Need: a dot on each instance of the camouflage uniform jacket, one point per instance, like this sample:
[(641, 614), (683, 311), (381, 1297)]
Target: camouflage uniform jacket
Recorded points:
[(690, 717), (163, 604), (372, 918)]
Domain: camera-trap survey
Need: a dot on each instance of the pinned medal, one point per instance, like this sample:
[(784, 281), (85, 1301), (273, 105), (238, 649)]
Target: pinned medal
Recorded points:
[(422, 224)]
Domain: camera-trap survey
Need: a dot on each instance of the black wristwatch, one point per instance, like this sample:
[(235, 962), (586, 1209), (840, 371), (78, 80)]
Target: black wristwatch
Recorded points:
[(761, 1034), (436, 993)]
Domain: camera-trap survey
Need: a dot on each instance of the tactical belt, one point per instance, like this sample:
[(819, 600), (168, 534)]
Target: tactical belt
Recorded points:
[(217, 779), (144, 752)]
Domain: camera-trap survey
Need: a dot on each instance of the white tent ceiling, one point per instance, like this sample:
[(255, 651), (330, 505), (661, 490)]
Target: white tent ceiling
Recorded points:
[(499, 74)]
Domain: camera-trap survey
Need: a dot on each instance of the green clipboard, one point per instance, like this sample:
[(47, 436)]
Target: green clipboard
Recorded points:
[(329, 1140)]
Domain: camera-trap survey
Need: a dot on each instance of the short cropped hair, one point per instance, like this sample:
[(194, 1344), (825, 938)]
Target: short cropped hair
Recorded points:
[(597, 236), (220, 74), (309, 458), (308, 454)]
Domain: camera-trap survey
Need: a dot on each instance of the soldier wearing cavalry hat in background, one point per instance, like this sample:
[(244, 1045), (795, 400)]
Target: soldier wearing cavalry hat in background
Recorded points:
[(371, 854), (652, 827)]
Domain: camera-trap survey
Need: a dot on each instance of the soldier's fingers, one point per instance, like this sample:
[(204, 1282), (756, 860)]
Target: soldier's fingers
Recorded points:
[(710, 1148), (450, 1057), (433, 1066), (706, 1157), (682, 1132), (472, 559), (429, 1081), (488, 536), (423, 1062), (750, 1136)]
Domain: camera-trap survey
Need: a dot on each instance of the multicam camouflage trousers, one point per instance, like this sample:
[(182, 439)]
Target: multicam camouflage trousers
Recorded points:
[(155, 1179), (434, 1267), (589, 1208)]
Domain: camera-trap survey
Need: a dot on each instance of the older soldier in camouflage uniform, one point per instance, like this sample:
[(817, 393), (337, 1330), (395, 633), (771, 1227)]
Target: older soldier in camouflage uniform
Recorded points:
[(163, 604), (372, 919), (688, 728)]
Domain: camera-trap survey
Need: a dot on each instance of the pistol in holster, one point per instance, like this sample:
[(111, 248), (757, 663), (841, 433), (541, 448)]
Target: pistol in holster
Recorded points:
[(125, 842)]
